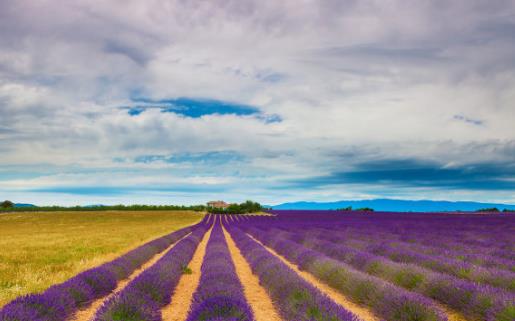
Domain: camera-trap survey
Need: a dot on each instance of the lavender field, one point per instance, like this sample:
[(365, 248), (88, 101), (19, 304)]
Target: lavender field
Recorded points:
[(307, 265), (403, 266), (257, 160)]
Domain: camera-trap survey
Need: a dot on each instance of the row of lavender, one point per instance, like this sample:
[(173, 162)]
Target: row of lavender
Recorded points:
[(474, 300), (477, 301), (61, 301), (440, 246), (219, 295), (404, 253), (387, 301), (465, 234), (147, 294), (294, 298), (478, 239)]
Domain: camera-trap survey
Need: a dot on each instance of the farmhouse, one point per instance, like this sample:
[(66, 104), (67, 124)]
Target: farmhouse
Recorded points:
[(217, 204)]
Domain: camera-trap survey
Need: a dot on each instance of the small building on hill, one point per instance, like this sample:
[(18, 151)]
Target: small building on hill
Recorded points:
[(218, 204)]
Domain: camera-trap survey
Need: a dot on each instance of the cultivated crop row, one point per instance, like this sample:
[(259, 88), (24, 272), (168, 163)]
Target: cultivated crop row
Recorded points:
[(438, 250), (478, 259), (386, 300), (219, 295), (472, 299), (322, 238), (484, 235), (441, 244), (319, 246), (295, 298), (144, 297), (493, 276), (482, 241), (474, 257)]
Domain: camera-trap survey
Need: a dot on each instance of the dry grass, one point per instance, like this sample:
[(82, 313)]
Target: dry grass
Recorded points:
[(43, 248)]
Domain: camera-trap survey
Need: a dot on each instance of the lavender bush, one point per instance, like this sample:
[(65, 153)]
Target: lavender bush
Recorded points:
[(340, 237), (295, 298), (220, 293), (144, 297), (386, 300)]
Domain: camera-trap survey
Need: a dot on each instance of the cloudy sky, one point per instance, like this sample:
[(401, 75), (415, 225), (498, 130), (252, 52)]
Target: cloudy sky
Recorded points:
[(185, 101)]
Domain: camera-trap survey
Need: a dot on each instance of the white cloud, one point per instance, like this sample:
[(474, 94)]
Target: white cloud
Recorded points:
[(372, 79)]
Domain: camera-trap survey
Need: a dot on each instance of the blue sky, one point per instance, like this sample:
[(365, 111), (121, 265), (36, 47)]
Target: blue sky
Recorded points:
[(183, 102)]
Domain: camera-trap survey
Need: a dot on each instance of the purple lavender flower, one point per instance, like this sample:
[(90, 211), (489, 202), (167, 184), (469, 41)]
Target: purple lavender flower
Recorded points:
[(220, 293), (144, 297), (295, 298)]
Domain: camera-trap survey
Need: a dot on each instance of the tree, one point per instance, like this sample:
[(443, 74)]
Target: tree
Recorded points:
[(247, 207), (7, 204), (365, 209), (487, 210)]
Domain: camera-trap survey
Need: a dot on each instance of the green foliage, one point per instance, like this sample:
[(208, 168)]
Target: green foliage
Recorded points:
[(408, 279), (365, 209), (6, 204), (410, 312), (349, 208), (186, 270), (491, 209), (246, 207), (136, 207), (507, 314)]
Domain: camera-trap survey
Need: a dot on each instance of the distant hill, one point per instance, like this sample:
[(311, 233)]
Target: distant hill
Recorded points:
[(391, 205), (23, 205)]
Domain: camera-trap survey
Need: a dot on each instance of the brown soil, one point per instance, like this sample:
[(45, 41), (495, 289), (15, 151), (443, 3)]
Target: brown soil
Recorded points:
[(451, 315), (256, 295), (180, 304), (88, 313), (361, 312)]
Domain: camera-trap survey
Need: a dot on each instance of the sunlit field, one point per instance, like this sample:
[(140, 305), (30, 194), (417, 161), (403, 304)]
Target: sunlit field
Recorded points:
[(45, 248)]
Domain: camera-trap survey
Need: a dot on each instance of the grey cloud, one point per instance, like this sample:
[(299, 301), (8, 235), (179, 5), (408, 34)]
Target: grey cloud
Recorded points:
[(468, 120), (386, 52), (410, 173), (140, 57)]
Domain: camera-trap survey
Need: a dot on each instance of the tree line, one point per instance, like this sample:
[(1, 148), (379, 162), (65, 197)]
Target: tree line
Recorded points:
[(349, 208), (10, 206), (493, 210), (242, 208), (245, 207)]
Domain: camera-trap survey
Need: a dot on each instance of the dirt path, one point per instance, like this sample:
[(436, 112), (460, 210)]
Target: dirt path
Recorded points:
[(88, 313), (256, 295), (180, 304), (363, 313), (451, 315)]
